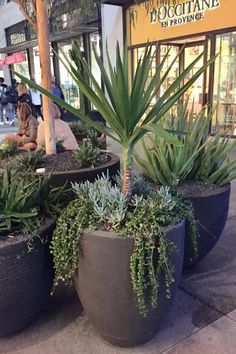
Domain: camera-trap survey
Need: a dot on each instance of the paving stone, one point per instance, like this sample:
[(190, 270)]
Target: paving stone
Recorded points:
[(213, 280), (63, 329), (232, 315), (217, 338)]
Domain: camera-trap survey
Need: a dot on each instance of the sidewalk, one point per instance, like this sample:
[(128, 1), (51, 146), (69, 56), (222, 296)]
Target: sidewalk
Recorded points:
[(6, 129), (202, 318)]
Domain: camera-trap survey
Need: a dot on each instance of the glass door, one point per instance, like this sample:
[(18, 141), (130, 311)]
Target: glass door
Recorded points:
[(196, 93), (224, 93)]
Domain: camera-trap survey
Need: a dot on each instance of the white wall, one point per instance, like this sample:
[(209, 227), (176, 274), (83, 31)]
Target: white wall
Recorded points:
[(112, 30), (10, 14)]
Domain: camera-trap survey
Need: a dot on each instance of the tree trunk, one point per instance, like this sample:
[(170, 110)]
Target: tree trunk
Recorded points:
[(127, 173), (44, 53)]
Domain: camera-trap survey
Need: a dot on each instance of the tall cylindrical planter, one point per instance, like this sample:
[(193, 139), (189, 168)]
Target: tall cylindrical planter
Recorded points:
[(105, 289), (26, 279), (211, 212)]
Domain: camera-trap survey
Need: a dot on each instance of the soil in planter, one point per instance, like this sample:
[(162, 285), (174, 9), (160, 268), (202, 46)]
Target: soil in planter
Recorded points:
[(193, 188), (63, 161)]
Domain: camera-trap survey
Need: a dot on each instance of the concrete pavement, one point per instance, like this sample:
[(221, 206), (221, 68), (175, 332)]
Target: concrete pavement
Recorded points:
[(6, 129)]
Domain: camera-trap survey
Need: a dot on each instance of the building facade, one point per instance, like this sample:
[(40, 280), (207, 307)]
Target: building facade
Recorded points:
[(19, 48), (190, 28)]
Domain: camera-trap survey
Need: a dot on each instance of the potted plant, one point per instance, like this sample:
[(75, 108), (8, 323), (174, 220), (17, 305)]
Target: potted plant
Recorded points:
[(200, 167), (128, 115), (27, 219), (66, 166)]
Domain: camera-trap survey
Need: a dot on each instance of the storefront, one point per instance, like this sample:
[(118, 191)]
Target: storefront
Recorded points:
[(64, 28), (198, 25)]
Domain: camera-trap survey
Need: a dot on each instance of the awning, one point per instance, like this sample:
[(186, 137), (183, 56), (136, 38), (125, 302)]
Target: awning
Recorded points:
[(125, 3), (57, 37)]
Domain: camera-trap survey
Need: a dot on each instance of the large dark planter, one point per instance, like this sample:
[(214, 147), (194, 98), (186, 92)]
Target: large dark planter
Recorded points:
[(86, 174), (26, 280), (211, 212), (105, 289)]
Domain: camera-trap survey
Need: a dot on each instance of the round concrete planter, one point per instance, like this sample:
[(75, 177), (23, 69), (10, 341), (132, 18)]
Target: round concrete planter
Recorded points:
[(112, 166), (26, 280), (211, 212), (105, 289)]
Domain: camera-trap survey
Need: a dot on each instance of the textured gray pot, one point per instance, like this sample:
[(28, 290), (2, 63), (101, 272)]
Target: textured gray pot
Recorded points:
[(26, 280), (105, 289), (211, 212)]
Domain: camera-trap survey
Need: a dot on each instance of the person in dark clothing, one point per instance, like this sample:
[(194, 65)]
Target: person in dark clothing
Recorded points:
[(12, 98), (3, 98), (57, 91)]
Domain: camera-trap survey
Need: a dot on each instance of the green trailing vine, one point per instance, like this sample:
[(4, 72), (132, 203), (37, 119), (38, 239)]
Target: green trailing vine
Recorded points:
[(102, 205), (150, 244), (75, 218)]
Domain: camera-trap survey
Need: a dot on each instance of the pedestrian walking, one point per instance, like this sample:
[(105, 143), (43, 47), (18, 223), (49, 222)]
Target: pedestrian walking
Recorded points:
[(37, 102), (12, 98), (57, 91), (3, 99)]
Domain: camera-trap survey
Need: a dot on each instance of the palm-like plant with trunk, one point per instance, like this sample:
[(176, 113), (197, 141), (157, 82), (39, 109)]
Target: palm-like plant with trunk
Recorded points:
[(125, 104)]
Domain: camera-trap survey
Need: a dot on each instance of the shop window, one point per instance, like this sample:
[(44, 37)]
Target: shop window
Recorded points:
[(37, 67), (196, 91), (69, 88), (16, 38), (174, 71), (224, 95), (95, 43), (16, 34), (138, 53), (22, 67)]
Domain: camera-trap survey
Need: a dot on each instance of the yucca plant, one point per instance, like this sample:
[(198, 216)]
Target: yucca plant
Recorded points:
[(170, 164), (126, 106)]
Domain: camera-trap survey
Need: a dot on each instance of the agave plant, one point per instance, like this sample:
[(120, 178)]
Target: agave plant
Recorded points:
[(126, 106), (215, 165), (22, 199), (169, 164)]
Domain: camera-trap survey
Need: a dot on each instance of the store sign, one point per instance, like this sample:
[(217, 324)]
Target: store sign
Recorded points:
[(15, 58), (182, 12)]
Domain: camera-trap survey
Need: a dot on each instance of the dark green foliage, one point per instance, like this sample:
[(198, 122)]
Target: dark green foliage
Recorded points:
[(78, 129), (29, 161), (8, 149), (24, 200), (95, 138), (59, 146), (82, 130), (87, 155)]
